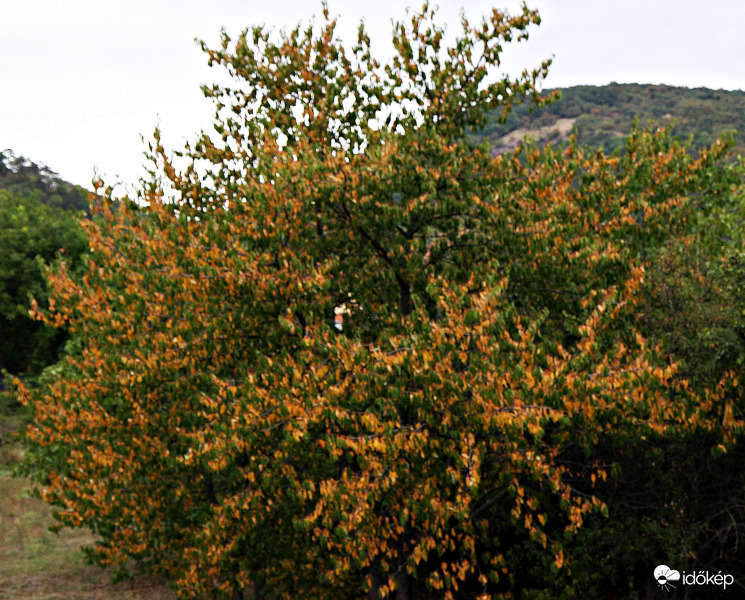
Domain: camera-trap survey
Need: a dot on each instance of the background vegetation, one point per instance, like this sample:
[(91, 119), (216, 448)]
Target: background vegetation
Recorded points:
[(23, 177), (32, 234), (603, 115)]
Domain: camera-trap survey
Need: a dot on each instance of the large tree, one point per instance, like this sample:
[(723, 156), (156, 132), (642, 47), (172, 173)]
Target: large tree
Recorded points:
[(214, 425)]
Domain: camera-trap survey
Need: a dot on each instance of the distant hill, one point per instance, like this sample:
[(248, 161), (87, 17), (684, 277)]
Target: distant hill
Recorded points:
[(20, 175), (603, 116)]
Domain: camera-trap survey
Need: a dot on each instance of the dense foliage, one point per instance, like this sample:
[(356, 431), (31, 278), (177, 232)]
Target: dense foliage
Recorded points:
[(695, 295), (31, 234), (451, 440), (674, 495)]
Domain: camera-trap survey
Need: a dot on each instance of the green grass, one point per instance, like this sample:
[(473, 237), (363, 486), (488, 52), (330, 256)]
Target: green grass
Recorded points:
[(37, 564)]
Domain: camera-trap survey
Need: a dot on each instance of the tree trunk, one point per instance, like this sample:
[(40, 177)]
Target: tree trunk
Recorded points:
[(402, 586), (376, 582), (3, 387), (238, 594), (256, 592), (405, 302)]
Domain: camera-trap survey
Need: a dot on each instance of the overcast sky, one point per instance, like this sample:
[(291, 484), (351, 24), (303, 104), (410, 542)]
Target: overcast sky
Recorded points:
[(82, 80)]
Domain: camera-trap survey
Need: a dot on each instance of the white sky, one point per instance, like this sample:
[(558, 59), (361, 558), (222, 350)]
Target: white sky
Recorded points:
[(82, 80)]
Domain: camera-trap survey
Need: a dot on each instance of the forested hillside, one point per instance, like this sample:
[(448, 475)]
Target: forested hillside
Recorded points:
[(21, 176), (603, 116)]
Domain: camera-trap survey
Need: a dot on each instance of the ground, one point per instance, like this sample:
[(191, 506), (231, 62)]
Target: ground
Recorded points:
[(36, 564)]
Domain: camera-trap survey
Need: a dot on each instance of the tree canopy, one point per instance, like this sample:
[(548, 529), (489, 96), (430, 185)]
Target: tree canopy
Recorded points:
[(212, 424)]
